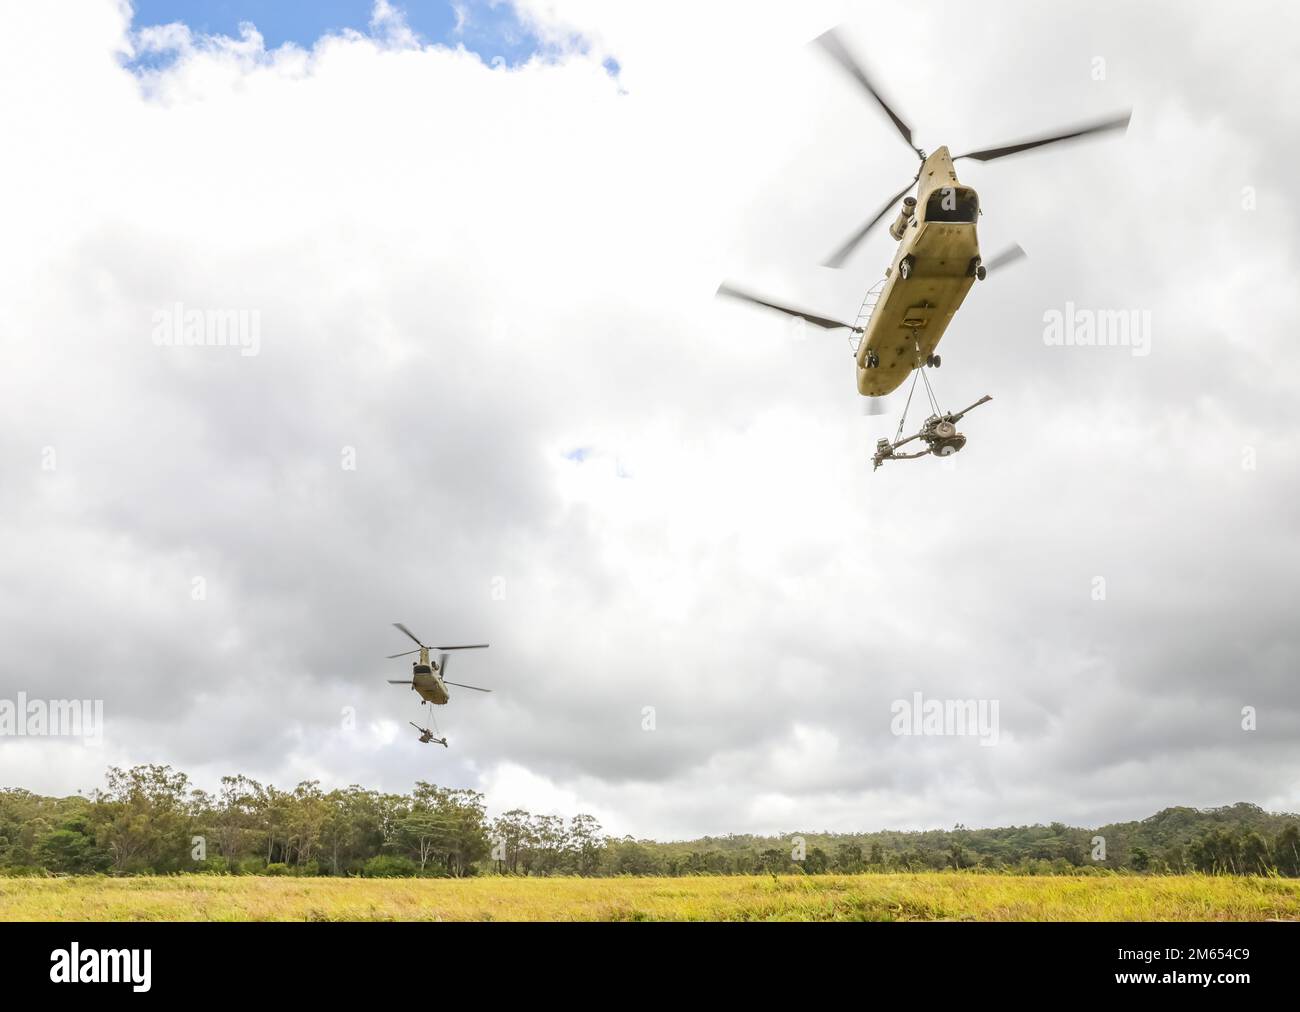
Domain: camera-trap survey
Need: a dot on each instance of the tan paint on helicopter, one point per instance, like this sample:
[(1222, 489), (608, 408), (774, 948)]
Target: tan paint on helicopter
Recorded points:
[(427, 674), (913, 313), (938, 248), (426, 681)]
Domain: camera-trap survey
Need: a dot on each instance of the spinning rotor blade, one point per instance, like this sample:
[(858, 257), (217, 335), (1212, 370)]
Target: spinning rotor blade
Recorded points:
[(837, 258), (1008, 256), (873, 406), (988, 154), (471, 646), (833, 44), (408, 633), (460, 686), (399, 681), (393, 657), (821, 321)]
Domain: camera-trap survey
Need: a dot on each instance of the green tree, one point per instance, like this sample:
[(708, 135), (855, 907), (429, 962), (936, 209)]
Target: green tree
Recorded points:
[(1255, 856), (234, 818), (1286, 850), (585, 844), (514, 832), (71, 849), (143, 820), (848, 857), (552, 840)]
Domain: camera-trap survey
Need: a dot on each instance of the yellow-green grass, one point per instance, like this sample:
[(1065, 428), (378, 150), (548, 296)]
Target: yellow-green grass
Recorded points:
[(934, 896)]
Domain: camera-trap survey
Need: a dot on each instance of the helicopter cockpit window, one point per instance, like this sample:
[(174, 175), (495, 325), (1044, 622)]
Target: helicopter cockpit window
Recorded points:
[(953, 204)]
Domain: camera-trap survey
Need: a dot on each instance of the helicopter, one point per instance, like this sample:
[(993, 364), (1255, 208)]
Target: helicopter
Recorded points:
[(427, 675), (938, 260)]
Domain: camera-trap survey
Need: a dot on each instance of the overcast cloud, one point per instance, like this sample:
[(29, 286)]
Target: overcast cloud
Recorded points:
[(493, 289)]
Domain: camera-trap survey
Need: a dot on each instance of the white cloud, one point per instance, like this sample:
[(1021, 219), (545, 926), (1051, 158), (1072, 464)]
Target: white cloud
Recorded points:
[(464, 273), (388, 22)]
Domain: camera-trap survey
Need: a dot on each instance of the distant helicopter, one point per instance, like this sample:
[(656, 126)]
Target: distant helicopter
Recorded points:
[(426, 675), (904, 316)]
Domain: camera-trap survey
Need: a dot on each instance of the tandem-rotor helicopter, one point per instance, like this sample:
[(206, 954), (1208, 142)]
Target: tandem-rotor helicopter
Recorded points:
[(427, 678), (904, 316)]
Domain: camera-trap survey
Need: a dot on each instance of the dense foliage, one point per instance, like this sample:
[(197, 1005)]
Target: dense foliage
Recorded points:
[(150, 820)]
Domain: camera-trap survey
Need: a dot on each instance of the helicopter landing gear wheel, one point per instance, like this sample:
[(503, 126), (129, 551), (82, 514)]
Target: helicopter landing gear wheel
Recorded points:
[(981, 272), (933, 361), (873, 360), (905, 267)]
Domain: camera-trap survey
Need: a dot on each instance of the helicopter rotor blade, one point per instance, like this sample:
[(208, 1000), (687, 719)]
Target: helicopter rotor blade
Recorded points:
[(837, 258), (408, 633), (872, 406), (1008, 256), (442, 664), (460, 685), (393, 657), (989, 154), (833, 44), (825, 322), (471, 646)]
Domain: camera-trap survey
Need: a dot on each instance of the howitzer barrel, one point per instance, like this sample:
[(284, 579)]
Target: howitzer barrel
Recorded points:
[(958, 416)]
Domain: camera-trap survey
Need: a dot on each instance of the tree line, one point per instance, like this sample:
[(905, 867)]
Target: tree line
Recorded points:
[(149, 819)]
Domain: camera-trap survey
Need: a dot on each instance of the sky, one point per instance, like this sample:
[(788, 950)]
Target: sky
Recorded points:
[(485, 389), (298, 23), (490, 28)]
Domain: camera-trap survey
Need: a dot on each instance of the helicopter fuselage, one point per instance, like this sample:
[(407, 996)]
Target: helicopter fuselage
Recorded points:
[(933, 269), (426, 681), (903, 318)]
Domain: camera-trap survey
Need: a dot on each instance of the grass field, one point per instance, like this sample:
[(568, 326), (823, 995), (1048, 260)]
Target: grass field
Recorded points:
[(923, 897)]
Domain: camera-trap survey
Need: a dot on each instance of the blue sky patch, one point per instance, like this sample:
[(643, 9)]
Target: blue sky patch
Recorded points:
[(492, 30)]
